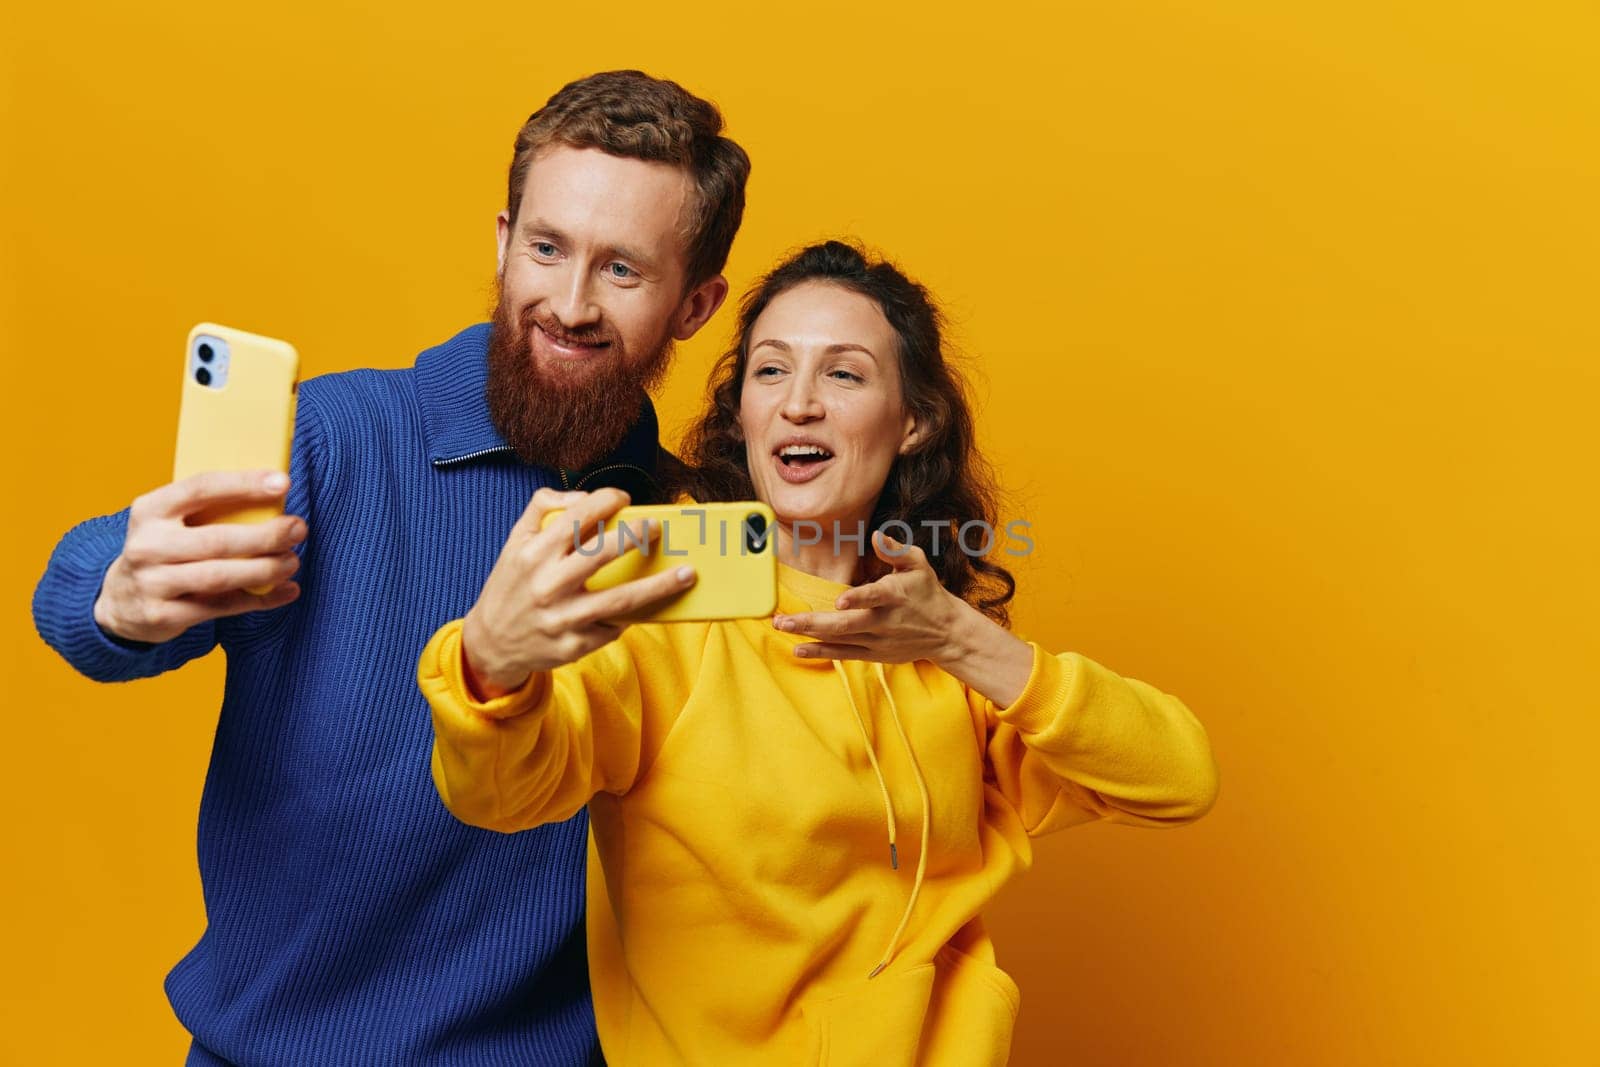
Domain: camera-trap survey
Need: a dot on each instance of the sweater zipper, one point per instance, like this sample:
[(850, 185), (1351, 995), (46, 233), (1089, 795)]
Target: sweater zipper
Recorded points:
[(611, 467), (452, 460), (566, 482)]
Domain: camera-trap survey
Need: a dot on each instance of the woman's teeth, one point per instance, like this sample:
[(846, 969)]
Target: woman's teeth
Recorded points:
[(792, 454)]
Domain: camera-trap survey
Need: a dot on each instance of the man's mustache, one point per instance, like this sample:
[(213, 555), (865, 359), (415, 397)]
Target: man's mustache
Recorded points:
[(598, 334)]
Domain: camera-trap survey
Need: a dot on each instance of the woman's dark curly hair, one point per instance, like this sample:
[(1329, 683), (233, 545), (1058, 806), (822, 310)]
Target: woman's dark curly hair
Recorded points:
[(941, 485)]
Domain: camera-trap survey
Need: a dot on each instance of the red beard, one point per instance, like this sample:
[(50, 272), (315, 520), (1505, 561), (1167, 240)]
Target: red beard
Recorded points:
[(567, 417)]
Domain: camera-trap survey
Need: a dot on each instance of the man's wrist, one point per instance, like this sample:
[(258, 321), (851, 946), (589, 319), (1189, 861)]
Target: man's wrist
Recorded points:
[(102, 616), (102, 613)]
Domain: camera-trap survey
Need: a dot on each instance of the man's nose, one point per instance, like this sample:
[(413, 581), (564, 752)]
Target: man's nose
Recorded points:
[(573, 303)]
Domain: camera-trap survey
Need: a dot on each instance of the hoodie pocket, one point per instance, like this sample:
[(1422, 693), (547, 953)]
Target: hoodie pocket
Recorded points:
[(955, 1012), (878, 1023), (959, 969)]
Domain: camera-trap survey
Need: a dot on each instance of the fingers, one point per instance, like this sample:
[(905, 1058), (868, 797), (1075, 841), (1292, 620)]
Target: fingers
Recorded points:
[(605, 545), (182, 498), (623, 600), (833, 650), (541, 504), (176, 543), (240, 602), (883, 593), (534, 560), (213, 577), (827, 624), (582, 514)]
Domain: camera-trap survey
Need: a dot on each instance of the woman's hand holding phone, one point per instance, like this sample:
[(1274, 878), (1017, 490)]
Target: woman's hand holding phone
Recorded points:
[(171, 576), (534, 613)]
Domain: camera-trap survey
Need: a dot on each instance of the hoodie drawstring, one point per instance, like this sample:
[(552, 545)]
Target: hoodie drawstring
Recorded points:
[(888, 805), (872, 757)]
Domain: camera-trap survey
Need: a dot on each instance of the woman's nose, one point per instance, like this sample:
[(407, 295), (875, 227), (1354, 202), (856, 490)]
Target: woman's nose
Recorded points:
[(801, 403)]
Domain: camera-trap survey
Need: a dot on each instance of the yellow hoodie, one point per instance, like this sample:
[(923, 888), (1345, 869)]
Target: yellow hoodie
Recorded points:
[(741, 888)]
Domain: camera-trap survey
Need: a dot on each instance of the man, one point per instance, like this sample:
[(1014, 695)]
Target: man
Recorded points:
[(351, 919)]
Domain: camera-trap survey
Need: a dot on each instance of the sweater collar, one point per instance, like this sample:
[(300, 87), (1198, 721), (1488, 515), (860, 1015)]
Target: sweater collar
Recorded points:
[(451, 380)]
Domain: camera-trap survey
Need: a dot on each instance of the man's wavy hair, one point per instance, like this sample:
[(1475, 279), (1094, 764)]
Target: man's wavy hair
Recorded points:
[(944, 481), (628, 113)]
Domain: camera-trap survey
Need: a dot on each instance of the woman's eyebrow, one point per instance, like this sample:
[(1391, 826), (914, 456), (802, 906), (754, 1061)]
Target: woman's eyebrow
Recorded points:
[(831, 350)]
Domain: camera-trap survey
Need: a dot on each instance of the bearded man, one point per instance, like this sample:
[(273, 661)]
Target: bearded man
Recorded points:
[(351, 918)]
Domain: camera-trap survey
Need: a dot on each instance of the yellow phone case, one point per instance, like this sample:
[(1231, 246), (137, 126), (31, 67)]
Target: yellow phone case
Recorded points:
[(736, 574), (247, 423)]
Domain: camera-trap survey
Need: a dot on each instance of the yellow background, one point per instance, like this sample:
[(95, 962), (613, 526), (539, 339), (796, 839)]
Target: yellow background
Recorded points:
[(1284, 319)]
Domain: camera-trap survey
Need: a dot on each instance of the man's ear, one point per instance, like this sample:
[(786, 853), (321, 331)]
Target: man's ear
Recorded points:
[(502, 233), (698, 307)]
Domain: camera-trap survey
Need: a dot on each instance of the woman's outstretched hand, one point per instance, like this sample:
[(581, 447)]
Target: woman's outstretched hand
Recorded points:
[(905, 615), (908, 615)]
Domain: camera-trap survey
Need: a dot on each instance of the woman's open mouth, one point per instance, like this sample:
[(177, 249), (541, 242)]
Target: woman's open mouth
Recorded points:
[(801, 463)]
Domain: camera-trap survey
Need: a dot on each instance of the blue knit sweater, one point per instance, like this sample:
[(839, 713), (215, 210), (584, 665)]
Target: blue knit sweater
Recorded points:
[(350, 918)]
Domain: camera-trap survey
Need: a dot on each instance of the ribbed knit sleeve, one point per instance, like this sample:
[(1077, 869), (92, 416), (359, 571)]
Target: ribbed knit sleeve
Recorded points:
[(63, 610), (63, 601), (1082, 742)]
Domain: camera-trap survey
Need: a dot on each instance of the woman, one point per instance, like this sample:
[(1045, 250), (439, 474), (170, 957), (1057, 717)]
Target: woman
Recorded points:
[(795, 838)]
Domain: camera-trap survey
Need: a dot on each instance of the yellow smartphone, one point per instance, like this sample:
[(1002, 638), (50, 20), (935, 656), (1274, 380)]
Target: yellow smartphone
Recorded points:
[(732, 547), (237, 413)]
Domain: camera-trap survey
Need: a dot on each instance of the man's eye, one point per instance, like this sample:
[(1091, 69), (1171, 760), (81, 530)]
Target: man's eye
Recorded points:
[(544, 248), (619, 270)]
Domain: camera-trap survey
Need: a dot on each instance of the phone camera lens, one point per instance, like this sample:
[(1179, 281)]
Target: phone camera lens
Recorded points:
[(205, 352), (755, 531), (202, 376)]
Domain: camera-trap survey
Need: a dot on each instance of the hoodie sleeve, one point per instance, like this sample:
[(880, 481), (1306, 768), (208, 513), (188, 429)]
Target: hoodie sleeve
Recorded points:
[(539, 754), (1082, 743)]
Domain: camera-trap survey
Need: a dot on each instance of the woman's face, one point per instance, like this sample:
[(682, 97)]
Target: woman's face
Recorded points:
[(821, 410)]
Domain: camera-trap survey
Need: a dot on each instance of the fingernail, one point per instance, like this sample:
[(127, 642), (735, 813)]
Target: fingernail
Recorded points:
[(685, 573), (802, 651), (840, 603), (782, 622), (277, 483)]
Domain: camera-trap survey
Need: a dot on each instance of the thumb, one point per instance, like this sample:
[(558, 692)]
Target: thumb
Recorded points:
[(897, 554)]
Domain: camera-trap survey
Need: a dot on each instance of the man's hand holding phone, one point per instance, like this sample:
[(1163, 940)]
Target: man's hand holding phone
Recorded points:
[(534, 613), (171, 576)]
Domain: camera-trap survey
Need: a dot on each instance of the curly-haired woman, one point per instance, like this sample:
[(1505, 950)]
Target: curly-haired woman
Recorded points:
[(799, 821)]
